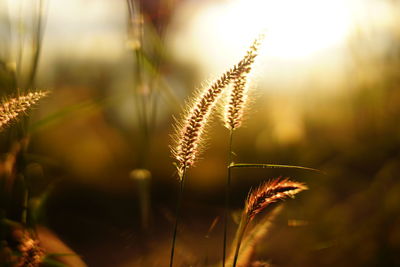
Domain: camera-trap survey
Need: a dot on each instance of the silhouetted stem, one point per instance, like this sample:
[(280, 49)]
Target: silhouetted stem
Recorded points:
[(227, 196), (178, 211), (244, 221)]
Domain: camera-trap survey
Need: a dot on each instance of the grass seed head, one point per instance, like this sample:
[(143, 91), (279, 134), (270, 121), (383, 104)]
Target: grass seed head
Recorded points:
[(12, 108), (270, 192), (236, 101), (190, 132)]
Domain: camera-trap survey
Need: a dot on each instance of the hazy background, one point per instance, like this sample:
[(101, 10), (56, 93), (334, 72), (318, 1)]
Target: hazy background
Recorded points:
[(325, 95)]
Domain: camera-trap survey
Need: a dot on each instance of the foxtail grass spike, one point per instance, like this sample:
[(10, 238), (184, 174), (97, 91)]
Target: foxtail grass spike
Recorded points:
[(238, 96), (190, 132), (234, 109), (13, 108)]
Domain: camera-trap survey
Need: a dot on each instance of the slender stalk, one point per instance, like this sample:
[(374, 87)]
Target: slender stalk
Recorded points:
[(178, 211), (244, 221), (227, 196)]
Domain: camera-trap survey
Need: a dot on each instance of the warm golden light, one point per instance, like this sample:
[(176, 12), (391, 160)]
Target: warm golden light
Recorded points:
[(304, 38), (297, 33), (295, 29)]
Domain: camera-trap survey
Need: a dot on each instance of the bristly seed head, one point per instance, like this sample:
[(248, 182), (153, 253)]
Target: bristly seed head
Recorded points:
[(12, 108), (270, 192), (237, 97), (235, 105), (190, 132)]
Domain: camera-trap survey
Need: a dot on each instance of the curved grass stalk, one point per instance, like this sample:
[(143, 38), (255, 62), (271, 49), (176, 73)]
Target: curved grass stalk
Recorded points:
[(244, 222), (272, 166), (255, 236)]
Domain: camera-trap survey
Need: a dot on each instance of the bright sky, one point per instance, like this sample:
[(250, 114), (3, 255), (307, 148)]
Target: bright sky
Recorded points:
[(301, 35), (295, 29)]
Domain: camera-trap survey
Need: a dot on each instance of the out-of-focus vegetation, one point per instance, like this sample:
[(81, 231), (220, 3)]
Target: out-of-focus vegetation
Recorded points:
[(98, 161)]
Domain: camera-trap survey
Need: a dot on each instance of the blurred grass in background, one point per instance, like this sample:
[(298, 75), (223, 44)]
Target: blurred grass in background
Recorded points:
[(336, 108)]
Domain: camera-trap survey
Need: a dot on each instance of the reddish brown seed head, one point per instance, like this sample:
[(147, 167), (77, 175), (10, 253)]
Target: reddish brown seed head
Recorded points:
[(270, 192)]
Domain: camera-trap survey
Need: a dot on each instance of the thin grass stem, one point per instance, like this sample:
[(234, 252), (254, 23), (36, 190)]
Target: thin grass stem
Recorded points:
[(244, 221), (227, 196), (178, 211)]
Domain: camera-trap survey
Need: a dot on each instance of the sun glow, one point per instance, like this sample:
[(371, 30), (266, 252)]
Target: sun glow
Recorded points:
[(294, 29), (300, 28)]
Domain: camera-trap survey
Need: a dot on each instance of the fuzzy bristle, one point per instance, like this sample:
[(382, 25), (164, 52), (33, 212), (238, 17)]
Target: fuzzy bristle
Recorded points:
[(237, 97), (190, 133), (14, 107), (233, 114), (270, 192)]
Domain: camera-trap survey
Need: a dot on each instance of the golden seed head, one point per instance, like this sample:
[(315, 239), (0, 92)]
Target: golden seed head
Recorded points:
[(190, 132), (12, 108), (270, 192), (237, 97)]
